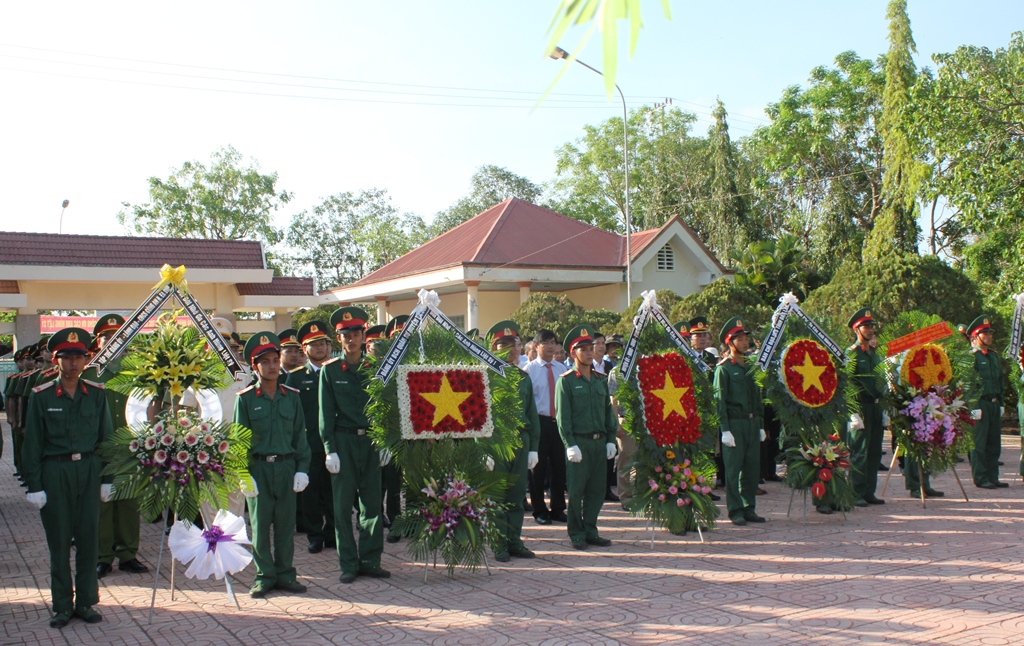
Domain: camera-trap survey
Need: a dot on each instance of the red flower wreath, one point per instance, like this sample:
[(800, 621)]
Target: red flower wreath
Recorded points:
[(669, 404), (808, 373), (438, 397)]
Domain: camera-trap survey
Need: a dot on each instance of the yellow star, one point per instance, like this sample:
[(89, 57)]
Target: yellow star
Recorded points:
[(446, 402), (930, 371), (672, 398), (811, 374)]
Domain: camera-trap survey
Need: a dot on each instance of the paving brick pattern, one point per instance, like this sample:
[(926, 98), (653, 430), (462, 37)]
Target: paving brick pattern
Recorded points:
[(951, 574)]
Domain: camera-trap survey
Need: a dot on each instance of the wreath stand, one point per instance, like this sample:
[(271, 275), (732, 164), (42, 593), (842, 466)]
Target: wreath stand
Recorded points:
[(159, 562), (920, 472), (792, 493)]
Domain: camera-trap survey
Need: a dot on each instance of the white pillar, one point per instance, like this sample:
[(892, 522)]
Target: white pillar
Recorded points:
[(524, 291), (472, 306), (382, 309), (282, 319)]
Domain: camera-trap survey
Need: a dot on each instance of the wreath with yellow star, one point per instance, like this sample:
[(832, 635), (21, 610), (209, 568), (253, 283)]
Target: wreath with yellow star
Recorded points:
[(669, 406), (926, 366), (444, 401), (808, 373)]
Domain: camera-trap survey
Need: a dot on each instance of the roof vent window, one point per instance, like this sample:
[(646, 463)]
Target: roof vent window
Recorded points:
[(666, 259)]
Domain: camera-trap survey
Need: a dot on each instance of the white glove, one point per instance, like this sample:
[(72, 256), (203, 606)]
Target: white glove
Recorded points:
[(489, 461), (1002, 411), (886, 420), (856, 422), (333, 463), (300, 482), (764, 436), (385, 457), (728, 440), (249, 489), (611, 450), (531, 460), (574, 454), (106, 492), (976, 413), (37, 499)]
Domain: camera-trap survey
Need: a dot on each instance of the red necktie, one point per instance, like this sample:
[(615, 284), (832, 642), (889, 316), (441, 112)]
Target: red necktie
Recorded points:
[(551, 389)]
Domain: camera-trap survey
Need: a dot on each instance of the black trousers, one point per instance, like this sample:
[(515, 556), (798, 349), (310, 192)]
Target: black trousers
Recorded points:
[(550, 469), (770, 447)]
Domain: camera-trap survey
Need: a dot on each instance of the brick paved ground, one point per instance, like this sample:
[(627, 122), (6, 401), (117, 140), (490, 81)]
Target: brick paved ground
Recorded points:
[(953, 574)]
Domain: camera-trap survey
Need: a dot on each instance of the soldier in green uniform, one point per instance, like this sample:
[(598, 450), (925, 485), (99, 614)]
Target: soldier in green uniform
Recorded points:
[(119, 519), (374, 335), (278, 464), (866, 428), (292, 357), (390, 474), (352, 460), (67, 420), (740, 417), (11, 407), (587, 426), (316, 502), (20, 393), (987, 439), (700, 340), (503, 337)]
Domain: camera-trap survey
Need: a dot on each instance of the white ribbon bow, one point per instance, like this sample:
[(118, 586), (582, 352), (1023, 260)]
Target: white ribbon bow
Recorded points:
[(429, 298), (788, 299), (650, 301)]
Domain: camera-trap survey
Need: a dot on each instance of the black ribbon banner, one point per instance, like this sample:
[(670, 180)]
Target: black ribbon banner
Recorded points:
[(1015, 332), (821, 335), (774, 337), (678, 339), (132, 326), (213, 337), (389, 362), (629, 353), (478, 351)]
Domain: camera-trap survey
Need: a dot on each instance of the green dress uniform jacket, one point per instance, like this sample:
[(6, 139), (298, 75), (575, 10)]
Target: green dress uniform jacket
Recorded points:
[(987, 439), (59, 456), (583, 409), (740, 412), (866, 443), (316, 503), (510, 524), (343, 425), (279, 450)]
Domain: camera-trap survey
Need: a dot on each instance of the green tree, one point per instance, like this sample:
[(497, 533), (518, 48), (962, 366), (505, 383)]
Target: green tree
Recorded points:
[(602, 319), (544, 310), (349, 235), (727, 213), (489, 185), (222, 201), (896, 228), (775, 267), (720, 301)]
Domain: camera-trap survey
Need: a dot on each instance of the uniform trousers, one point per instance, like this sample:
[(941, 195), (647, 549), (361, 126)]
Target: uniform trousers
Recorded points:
[(119, 530), (987, 445), (587, 483), (510, 523), (742, 467), (317, 501), (358, 480), (273, 507), (866, 449)]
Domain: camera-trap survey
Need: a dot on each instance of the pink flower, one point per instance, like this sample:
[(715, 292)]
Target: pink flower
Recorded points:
[(133, 446), (705, 490), (182, 456), (183, 422), (679, 502), (700, 479), (686, 501), (202, 457), (668, 477), (191, 440), (654, 485), (204, 427), (673, 490), (160, 456), (208, 440), (686, 472), (686, 463), (159, 428), (657, 469), (682, 485), (675, 469), (150, 443), (661, 497), (167, 440), (223, 447)]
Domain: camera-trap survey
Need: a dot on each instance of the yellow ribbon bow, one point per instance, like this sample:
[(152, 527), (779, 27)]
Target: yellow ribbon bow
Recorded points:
[(174, 276)]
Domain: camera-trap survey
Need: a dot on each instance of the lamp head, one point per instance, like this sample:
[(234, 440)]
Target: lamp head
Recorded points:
[(558, 53)]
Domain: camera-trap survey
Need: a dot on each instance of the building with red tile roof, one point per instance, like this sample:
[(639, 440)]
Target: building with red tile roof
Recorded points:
[(485, 267)]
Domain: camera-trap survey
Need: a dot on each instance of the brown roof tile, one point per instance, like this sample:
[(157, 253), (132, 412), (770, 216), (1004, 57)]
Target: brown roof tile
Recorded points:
[(278, 286), (121, 251), (9, 287)]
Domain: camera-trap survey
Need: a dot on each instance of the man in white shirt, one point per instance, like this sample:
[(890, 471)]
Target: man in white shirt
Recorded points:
[(544, 371)]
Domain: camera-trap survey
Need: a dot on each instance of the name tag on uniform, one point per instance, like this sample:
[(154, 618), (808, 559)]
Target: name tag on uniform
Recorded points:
[(258, 408), (54, 410), (578, 387)]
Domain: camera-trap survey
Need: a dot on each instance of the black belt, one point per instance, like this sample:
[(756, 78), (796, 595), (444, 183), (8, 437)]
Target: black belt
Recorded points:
[(546, 417), (994, 400), (593, 436), (68, 457), (274, 457), (349, 431), (742, 417)]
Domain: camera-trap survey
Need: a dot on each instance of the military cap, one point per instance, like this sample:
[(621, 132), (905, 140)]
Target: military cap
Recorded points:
[(732, 328), (235, 337), (861, 317), (473, 333), (312, 331), (979, 325), (503, 332), (108, 323), (682, 327), (395, 325), (376, 332), (579, 335), (289, 337), (69, 341), (615, 339), (962, 329), (348, 318), (223, 326), (259, 344), (698, 324)]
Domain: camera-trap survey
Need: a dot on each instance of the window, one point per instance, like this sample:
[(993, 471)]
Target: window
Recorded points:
[(460, 321), (666, 259)]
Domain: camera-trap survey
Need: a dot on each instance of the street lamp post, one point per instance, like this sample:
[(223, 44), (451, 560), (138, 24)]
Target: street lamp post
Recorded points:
[(60, 226), (560, 53)]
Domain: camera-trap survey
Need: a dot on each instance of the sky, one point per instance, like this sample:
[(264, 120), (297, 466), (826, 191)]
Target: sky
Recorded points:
[(407, 96)]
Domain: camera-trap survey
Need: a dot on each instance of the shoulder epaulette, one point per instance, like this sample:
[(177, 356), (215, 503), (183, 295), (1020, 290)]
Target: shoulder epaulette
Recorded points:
[(721, 361), (41, 387), (246, 389), (287, 387), (852, 348), (332, 360), (51, 372), (566, 373), (95, 384)]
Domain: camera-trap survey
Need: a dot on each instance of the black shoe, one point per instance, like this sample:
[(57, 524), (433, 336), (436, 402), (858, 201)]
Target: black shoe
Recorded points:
[(316, 546), (348, 577), (521, 553), (579, 545), (882, 467), (132, 566), (824, 509), (754, 518), (773, 477), (103, 569), (739, 521), (60, 620), (560, 517), (259, 590), (394, 537), (502, 557), (600, 542), (1002, 485), (542, 520), (610, 497), (714, 496), (985, 486), (874, 501), (375, 572), (527, 507), (932, 493), (860, 503), (1000, 463), (387, 522), (291, 586), (88, 615)]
